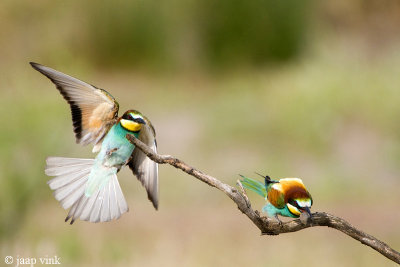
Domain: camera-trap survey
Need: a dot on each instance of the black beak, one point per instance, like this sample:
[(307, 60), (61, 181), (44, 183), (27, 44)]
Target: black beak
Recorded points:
[(308, 211), (139, 120)]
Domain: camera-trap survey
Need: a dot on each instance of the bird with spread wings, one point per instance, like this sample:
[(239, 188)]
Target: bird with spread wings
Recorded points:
[(89, 188)]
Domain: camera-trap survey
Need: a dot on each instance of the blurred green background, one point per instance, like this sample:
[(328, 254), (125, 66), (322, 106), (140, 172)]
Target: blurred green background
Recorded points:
[(287, 88)]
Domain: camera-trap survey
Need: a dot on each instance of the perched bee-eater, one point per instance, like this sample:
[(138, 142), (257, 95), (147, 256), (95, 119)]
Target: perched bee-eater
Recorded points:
[(89, 188), (287, 197)]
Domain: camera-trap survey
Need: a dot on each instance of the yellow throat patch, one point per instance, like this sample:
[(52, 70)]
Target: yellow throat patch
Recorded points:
[(131, 125), (293, 209)]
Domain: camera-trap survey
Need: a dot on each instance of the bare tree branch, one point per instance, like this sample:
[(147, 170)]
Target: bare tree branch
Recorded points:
[(266, 225)]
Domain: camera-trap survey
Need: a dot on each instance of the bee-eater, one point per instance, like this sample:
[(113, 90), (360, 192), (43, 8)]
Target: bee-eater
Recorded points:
[(286, 197), (89, 188)]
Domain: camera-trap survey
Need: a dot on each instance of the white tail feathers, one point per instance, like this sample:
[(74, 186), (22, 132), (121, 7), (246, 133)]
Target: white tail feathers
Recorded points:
[(69, 185)]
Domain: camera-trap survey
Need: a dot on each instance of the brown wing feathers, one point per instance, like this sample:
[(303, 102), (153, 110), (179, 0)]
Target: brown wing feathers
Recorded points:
[(93, 110)]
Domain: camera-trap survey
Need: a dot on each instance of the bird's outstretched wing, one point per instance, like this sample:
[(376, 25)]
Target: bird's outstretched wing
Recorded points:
[(144, 168), (93, 110)]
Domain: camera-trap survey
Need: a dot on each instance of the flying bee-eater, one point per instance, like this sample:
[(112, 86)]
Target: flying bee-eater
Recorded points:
[(287, 197), (89, 188)]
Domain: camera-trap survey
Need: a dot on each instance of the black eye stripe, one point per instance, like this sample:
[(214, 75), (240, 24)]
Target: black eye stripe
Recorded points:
[(294, 203), (126, 117)]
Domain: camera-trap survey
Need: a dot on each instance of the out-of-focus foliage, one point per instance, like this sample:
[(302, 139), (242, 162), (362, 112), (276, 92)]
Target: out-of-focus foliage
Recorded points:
[(167, 34), (193, 34), (256, 32), (128, 33), (226, 32), (308, 89)]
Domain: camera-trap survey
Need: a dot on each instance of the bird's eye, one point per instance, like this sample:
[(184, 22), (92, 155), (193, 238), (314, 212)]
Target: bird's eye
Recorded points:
[(294, 203)]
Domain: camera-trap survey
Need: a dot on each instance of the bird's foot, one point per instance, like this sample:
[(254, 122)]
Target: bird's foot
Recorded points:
[(279, 221)]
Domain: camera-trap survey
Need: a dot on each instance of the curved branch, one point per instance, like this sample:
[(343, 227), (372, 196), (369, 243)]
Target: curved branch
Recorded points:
[(266, 225)]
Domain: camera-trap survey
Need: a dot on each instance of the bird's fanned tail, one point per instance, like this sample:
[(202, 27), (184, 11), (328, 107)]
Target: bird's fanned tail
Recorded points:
[(254, 185), (69, 185)]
